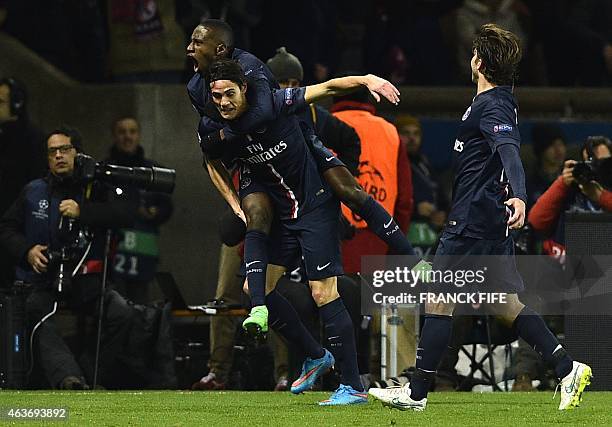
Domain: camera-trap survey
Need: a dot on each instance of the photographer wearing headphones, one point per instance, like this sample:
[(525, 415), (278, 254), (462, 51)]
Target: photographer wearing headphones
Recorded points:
[(584, 186), (22, 156), (42, 233)]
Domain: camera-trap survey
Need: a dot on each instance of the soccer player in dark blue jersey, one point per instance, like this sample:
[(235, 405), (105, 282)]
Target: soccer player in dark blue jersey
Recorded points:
[(213, 39), (489, 181), (277, 158)]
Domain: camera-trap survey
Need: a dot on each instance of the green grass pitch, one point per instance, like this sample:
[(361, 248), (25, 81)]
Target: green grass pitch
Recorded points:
[(259, 409)]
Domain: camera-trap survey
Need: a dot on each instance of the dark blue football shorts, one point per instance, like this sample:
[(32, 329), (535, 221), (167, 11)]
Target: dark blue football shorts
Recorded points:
[(313, 236), (493, 258)]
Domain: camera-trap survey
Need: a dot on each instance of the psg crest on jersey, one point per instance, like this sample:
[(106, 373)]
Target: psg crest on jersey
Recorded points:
[(466, 114), (245, 183)]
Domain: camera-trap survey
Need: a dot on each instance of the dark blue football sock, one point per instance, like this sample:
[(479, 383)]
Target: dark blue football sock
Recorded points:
[(385, 227), (341, 341), (530, 326), (283, 318), (435, 337), (256, 263)]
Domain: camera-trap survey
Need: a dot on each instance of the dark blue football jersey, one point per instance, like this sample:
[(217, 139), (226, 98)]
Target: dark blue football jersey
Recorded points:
[(277, 157), (480, 187), (253, 68)]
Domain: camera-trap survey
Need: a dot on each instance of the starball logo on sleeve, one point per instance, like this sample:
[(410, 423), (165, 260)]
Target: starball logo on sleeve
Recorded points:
[(502, 128)]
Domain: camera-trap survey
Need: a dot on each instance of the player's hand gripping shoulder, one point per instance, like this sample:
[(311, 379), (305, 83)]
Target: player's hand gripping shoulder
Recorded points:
[(517, 219)]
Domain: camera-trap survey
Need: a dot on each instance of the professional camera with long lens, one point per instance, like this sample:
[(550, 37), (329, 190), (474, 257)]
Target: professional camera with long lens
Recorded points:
[(599, 170), (145, 178), (75, 240)]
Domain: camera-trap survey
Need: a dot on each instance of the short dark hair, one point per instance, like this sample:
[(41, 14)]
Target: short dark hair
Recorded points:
[(18, 95), (221, 30), (500, 52), (226, 69), (593, 142), (75, 136)]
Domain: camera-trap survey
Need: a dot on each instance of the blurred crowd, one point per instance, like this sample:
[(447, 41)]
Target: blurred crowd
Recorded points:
[(412, 42)]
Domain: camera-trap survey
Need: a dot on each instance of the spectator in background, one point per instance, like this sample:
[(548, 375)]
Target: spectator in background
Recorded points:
[(429, 201), (137, 254), (22, 156), (549, 148), (146, 42)]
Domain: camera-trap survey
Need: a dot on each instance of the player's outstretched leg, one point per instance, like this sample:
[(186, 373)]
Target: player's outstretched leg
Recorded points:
[(574, 376), (347, 189), (384, 226), (285, 320)]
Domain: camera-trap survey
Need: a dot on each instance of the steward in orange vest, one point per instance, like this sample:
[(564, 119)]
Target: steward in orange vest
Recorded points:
[(384, 173)]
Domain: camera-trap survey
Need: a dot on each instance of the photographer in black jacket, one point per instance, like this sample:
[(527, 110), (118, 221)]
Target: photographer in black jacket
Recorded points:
[(46, 219)]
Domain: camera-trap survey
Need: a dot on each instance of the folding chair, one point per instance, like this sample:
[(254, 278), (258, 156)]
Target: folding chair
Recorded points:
[(485, 330)]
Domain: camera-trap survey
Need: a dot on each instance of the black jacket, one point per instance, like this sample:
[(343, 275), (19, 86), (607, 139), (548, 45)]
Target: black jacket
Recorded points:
[(34, 219)]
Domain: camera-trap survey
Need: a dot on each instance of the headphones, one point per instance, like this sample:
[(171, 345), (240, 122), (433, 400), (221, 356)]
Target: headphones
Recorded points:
[(17, 95)]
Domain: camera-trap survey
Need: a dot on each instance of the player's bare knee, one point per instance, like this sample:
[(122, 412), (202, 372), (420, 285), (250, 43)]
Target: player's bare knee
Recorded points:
[(258, 211), (258, 218), (323, 291), (508, 311), (322, 297)]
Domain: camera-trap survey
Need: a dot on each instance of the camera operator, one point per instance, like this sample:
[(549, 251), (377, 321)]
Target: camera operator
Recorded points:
[(30, 233), (582, 186), (137, 254)]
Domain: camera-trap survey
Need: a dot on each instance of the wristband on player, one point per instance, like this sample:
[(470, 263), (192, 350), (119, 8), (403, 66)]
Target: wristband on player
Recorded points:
[(212, 144)]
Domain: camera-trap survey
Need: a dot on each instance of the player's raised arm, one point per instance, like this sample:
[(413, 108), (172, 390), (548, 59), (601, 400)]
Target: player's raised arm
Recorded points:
[(343, 85)]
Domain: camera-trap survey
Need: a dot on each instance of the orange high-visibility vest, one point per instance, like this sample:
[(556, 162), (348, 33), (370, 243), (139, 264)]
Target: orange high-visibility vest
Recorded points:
[(378, 160)]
